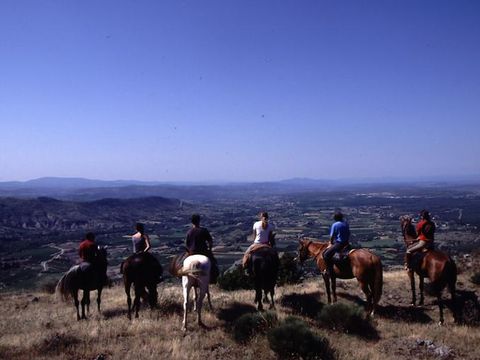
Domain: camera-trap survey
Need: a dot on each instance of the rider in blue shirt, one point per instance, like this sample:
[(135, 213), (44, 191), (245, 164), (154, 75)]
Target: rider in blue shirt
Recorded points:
[(339, 237)]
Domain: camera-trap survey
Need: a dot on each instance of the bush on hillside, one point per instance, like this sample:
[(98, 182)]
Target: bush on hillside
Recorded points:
[(234, 279), (248, 325), (347, 318), (288, 272), (294, 339)]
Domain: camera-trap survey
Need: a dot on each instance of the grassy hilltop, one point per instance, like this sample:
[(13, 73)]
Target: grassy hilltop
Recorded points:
[(38, 326)]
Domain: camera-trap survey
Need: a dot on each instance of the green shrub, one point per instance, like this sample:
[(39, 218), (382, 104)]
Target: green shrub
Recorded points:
[(294, 339), (248, 325), (347, 318), (288, 272), (475, 278), (234, 279)]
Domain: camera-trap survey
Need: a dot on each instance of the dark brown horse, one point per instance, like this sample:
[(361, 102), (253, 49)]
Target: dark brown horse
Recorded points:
[(143, 271), (363, 265), (87, 277), (437, 266), (263, 269)]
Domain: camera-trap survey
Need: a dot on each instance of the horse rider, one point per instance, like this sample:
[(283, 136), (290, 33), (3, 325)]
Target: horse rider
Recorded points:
[(425, 236), (88, 248), (199, 241), (263, 235), (339, 240), (140, 240)]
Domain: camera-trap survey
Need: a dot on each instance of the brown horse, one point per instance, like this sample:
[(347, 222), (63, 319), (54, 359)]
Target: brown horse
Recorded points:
[(363, 265), (436, 265)]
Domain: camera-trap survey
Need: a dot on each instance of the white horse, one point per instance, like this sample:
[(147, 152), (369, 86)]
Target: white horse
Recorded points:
[(195, 273)]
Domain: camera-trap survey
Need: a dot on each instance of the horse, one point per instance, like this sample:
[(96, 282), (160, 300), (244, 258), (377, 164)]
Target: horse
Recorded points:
[(263, 269), (363, 265), (144, 271), (87, 277), (195, 272), (436, 265)]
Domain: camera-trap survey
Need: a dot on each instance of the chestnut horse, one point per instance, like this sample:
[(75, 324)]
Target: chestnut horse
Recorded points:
[(365, 266), (436, 265)]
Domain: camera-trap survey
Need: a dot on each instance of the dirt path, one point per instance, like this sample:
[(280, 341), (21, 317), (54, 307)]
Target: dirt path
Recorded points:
[(57, 255)]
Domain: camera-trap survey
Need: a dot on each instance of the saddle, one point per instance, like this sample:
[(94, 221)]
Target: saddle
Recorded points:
[(248, 254)]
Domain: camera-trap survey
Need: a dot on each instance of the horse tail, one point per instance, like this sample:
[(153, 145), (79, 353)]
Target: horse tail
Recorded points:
[(377, 280), (65, 284), (186, 272), (450, 275)]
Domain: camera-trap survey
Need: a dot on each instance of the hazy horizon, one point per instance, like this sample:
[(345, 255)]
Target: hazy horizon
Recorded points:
[(243, 91)]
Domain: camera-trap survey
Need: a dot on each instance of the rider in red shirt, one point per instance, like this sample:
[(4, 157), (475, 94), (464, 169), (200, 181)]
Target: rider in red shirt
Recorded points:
[(88, 248), (425, 231)]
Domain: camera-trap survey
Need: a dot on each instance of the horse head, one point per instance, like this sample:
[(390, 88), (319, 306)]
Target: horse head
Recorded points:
[(303, 252), (408, 230)]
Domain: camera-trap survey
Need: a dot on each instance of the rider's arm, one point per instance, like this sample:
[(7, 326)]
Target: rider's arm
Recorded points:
[(147, 243), (209, 241)]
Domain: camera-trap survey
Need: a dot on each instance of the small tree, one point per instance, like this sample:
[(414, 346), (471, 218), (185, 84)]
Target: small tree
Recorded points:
[(248, 325), (234, 279), (294, 338), (288, 272)]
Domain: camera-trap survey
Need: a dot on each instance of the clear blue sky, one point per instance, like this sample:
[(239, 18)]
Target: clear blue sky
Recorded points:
[(239, 90)]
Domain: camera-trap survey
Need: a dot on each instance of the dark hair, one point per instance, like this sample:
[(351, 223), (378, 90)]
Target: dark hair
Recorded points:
[(425, 214), (338, 216), (196, 219), (90, 236), (264, 214), (140, 228)]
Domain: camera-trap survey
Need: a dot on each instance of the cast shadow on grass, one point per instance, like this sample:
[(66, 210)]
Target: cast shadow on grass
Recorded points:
[(465, 308), (303, 304), (233, 311), (113, 313), (399, 313)]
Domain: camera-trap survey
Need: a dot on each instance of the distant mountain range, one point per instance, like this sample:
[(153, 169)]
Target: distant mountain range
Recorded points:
[(80, 189)]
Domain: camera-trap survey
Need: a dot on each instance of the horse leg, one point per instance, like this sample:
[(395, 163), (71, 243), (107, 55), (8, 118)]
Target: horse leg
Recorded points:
[(421, 284), (88, 302), (326, 280), (152, 295), (99, 297), (368, 295), (272, 293), (199, 301), (186, 293), (195, 296), (138, 294), (411, 275), (76, 302), (265, 296), (208, 298), (84, 302), (258, 298), (129, 299), (440, 307), (334, 287)]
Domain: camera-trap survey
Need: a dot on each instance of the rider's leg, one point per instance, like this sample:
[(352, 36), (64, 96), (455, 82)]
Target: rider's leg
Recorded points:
[(412, 249), (328, 255)]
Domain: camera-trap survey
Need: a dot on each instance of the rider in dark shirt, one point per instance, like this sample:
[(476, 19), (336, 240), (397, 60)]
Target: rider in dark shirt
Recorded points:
[(199, 241)]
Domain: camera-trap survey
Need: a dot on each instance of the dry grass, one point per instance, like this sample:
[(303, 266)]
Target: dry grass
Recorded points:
[(38, 326)]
